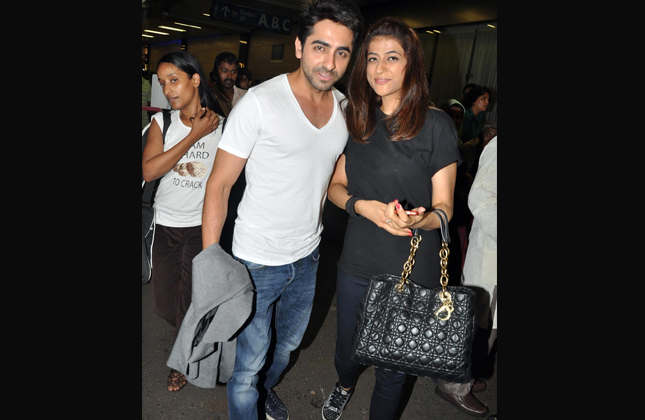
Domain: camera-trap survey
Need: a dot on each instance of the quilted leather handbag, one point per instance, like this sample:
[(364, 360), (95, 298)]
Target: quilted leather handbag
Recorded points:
[(405, 327)]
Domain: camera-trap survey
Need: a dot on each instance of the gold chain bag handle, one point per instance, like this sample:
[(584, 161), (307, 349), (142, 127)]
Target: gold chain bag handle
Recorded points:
[(446, 298), (407, 267)]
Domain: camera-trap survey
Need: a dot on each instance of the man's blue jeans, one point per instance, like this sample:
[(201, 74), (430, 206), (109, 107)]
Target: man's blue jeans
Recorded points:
[(290, 290)]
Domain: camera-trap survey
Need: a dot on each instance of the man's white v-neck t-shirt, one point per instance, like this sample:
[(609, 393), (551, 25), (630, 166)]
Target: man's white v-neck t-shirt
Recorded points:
[(289, 166)]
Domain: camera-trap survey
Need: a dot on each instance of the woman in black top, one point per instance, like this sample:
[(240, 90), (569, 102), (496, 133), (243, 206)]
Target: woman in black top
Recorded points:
[(401, 155)]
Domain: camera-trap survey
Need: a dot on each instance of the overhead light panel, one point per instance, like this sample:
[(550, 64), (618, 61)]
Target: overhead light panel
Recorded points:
[(147, 36), (490, 25), (172, 29), (156, 32), (190, 26), (437, 31)]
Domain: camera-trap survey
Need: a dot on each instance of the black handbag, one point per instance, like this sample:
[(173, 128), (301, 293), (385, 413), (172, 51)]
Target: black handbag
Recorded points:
[(405, 327)]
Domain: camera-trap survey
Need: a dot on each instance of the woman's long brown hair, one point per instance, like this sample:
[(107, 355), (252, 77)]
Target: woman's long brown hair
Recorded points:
[(408, 119)]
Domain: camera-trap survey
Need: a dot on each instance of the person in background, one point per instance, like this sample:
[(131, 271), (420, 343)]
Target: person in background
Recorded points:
[(212, 79), (476, 103), (225, 75), (472, 149), (183, 162), (480, 273), (289, 149), (401, 153), (456, 110), (244, 78), (460, 224), (466, 89), (146, 92)]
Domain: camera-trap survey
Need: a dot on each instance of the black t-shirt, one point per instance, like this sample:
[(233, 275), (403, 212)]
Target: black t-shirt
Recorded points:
[(385, 170)]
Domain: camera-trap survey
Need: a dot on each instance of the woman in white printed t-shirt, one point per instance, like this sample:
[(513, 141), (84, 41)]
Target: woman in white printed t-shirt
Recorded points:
[(184, 163)]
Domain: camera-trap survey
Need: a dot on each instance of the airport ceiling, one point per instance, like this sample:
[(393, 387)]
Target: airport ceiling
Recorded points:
[(179, 13), (157, 13)]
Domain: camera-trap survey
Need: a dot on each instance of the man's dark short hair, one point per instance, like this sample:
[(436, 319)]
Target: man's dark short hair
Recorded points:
[(226, 57), (344, 12)]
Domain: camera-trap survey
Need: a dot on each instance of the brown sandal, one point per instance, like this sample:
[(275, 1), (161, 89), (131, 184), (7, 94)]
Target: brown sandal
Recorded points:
[(177, 380)]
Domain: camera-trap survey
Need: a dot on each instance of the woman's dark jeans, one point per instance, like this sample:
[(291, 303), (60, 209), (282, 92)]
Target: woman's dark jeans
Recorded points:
[(389, 385)]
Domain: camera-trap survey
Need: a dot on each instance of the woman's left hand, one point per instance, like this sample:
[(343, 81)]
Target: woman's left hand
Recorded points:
[(398, 221)]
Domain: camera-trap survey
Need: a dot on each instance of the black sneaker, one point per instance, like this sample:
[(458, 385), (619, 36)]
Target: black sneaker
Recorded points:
[(275, 408), (336, 402)]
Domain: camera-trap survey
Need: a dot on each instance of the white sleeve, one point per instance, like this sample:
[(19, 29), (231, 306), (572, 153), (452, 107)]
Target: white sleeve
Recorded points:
[(242, 129)]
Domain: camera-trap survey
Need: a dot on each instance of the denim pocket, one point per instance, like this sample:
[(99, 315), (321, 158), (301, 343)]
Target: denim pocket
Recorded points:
[(315, 255)]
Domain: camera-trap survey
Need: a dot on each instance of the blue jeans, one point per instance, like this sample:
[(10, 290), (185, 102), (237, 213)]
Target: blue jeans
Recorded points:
[(388, 388), (289, 290)]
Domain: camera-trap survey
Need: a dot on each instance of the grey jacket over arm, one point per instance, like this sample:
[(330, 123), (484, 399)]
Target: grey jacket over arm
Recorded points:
[(222, 299)]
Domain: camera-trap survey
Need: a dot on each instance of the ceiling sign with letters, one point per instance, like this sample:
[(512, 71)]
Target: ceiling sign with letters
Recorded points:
[(250, 17)]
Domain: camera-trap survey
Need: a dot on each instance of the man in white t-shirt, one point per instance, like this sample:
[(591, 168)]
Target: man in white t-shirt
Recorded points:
[(289, 131)]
